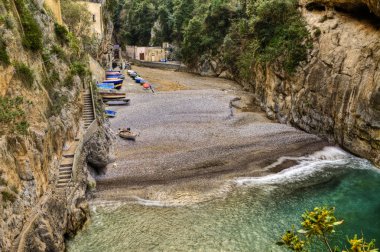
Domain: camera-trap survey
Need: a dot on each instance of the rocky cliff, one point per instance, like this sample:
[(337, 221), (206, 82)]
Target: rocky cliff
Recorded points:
[(349, 5), (41, 104), (336, 92)]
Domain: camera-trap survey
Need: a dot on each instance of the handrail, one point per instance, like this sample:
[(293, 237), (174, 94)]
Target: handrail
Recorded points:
[(92, 100)]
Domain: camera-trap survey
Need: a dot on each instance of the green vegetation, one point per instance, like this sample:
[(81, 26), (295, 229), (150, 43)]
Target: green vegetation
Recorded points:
[(22, 127), (4, 58), (32, 35), (69, 81), (317, 32), (25, 74), (78, 20), (59, 52), (8, 196), (12, 115), (61, 33), (58, 102), (243, 34), (78, 68), (318, 226), (77, 17), (7, 21), (278, 33), (10, 109), (99, 105), (3, 182)]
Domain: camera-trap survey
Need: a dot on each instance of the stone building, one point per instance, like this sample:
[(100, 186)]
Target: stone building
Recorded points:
[(55, 7), (95, 7), (145, 53)]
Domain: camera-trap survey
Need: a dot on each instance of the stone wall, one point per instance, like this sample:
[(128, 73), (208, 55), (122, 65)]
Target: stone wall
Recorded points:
[(96, 11), (160, 65)]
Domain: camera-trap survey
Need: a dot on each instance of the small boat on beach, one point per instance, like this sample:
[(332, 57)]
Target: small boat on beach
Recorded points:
[(118, 86), (139, 80), (110, 113), (106, 86), (118, 76), (112, 79), (127, 134), (113, 72), (121, 102), (115, 81), (111, 94)]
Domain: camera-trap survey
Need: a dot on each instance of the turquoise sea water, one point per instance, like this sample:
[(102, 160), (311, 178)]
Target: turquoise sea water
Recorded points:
[(251, 217)]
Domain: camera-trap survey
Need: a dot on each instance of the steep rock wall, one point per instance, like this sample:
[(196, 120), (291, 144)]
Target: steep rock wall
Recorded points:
[(336, 94), (349, 5), (35, 216)]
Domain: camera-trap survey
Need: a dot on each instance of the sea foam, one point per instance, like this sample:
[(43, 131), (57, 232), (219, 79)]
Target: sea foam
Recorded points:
[(317, 165)]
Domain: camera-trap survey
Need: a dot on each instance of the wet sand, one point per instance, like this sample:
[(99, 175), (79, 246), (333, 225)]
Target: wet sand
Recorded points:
[(196, 133)]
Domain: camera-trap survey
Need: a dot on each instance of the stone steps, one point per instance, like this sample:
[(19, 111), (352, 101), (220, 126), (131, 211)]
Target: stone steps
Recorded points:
[(65, 171), (66, 166), (88, 110)]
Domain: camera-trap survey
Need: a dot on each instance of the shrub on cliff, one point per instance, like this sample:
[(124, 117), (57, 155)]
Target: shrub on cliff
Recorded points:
[(59, 100), (32, 35), (4, 58), (8, 196), (61, 33), (24, 73), (12, 115)]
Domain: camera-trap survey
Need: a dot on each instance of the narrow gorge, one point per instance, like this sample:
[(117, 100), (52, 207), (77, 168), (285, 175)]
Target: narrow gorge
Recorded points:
[(274, 109)]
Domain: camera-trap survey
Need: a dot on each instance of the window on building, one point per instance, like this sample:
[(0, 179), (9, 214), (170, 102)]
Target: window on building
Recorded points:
[(93, 18)]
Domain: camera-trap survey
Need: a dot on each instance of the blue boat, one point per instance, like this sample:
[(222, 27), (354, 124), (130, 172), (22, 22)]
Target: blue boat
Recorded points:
[(112, 72), (106, 86), (118, 86), (116, 81), (118, 76), (139, 80), (110, 113)]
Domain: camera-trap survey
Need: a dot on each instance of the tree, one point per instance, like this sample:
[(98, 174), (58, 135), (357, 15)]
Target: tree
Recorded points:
[(183, 10), (77, 18), (318, 225)]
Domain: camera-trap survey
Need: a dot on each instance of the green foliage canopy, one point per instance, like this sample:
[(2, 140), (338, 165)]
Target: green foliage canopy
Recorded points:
[(32, 34), (242, 33)]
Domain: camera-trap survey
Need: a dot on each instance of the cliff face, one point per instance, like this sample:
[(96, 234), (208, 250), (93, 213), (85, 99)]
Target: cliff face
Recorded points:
[(349, 5), (35, 215), (336, 94)]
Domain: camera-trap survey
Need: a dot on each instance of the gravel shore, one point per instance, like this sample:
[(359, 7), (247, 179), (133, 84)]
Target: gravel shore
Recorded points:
[(194, 136)]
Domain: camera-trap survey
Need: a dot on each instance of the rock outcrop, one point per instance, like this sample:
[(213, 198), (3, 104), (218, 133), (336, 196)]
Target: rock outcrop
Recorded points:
[(349, 5), (35, 215), (336, 93)]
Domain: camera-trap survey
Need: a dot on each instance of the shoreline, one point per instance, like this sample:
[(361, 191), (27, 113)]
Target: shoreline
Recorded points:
[(196, 134)]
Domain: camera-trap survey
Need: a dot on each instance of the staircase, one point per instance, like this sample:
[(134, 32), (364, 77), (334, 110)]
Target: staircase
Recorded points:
[(66, 166), (88, 110)]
